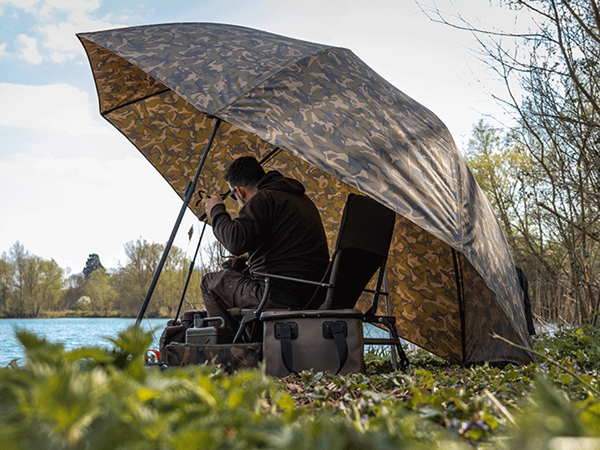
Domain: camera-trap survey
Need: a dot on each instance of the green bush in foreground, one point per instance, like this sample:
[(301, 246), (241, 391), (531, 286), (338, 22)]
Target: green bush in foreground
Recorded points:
[(94, 398)]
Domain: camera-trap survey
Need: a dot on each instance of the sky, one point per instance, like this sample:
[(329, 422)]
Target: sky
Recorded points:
[(72, 185)]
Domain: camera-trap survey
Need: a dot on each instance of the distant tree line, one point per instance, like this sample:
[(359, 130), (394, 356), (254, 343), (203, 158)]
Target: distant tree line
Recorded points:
[(31, 286)]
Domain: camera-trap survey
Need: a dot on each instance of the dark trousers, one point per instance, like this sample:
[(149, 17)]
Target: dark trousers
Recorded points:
[(230, 289)]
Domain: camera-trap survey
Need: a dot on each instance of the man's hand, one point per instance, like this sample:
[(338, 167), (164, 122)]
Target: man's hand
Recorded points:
[(209, 203), (236, 263)]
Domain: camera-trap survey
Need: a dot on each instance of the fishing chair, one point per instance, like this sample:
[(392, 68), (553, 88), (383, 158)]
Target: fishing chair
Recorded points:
[(361, 250)]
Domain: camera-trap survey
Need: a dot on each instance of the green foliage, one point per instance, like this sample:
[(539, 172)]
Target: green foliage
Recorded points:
[(100, 291), (488, 406), (98, 398), (94, 398), (131, 281), (553, 421), (28, 283), (581, 345)]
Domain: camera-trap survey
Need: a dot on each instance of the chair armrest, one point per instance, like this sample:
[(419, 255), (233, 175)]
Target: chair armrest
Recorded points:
[(239, 312), (298, 280)]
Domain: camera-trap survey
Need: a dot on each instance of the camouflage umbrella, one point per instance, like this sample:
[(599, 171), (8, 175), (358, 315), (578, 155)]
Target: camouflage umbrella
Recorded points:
[(341, 128)]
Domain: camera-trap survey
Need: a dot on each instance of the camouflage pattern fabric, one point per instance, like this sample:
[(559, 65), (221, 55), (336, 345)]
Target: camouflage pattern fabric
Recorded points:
[(341, 128), (230, 357)]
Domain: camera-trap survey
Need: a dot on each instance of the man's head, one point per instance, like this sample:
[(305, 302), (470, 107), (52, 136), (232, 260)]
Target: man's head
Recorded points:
[(243, 176)]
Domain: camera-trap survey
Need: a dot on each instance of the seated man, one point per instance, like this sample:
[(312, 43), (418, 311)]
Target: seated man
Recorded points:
[(280, 230)]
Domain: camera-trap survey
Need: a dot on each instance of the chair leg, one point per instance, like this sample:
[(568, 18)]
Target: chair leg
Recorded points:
[(243, 324), (253, 315), (393, 352), (389, 323), (404, 362)]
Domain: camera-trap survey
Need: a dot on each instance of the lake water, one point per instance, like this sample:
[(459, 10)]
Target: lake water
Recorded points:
[(73, 333)]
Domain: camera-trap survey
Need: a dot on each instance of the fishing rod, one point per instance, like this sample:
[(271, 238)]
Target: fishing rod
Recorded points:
[(191, 270)]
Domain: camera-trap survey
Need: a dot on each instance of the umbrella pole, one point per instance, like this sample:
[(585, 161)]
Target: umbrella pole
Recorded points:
[(189, 191), (461, 302), (187, 282)]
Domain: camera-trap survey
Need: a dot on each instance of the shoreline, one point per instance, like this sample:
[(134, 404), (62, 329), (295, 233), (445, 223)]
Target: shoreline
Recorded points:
[(81, 315)]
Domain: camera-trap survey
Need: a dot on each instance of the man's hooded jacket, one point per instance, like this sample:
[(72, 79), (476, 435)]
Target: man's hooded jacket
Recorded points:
[(281, 230)]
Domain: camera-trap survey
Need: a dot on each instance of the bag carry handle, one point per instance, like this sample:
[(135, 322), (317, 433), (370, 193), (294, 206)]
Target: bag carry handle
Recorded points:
[(200, 322), (287, 332), (338, 331)]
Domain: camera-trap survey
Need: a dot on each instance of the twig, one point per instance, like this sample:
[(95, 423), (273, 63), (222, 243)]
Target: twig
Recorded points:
[(499, 406), (584, 230), (563, 320), (550, 360)]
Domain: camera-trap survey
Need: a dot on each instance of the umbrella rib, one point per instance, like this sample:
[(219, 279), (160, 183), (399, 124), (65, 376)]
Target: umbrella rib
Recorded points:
[(110, 111)]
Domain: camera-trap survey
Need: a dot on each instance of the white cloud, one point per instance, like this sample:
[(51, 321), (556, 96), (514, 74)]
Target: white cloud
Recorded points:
[(58, 21), (2, 50), (23, 4), (58, 57), (56, 107), (76, 17), (62, 37), (48, 9), (29, 52)]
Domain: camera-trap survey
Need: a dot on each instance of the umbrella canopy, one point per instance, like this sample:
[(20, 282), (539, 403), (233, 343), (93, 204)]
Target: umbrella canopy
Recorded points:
[(341, 128)]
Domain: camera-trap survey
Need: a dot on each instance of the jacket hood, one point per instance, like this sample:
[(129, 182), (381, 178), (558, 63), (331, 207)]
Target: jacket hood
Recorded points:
[(274, 181)]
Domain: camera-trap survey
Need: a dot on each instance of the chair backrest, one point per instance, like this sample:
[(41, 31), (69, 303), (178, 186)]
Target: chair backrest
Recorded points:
[(361, 249)]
